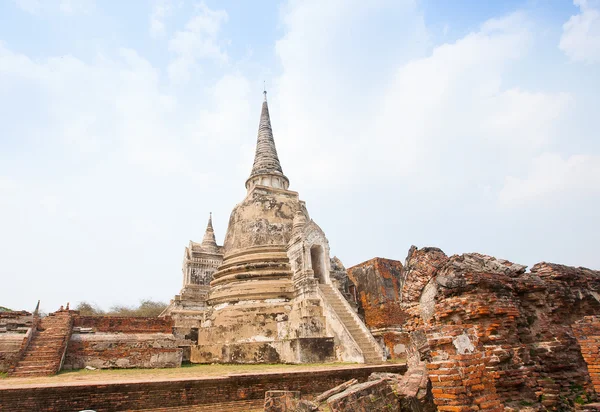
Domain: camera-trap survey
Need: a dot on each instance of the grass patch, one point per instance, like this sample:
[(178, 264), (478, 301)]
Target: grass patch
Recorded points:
[(3, 375)]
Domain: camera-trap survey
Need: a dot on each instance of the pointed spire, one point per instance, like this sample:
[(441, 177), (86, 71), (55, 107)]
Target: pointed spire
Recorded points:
[(209, 226), (266, 169), (209, 242), (36, 312)]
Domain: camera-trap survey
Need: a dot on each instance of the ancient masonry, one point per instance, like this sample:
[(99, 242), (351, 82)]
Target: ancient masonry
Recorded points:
[(34, 346), (272, 292), (471, 332)]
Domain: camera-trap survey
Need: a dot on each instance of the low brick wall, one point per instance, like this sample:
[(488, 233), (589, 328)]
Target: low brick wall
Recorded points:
[(122, 342), (10, 349), (122, 350), (587, 332), (15, 331), (125, 324), (148, 395)]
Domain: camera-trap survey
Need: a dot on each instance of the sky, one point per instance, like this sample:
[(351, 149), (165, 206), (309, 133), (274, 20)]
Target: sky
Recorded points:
[(467, 125)]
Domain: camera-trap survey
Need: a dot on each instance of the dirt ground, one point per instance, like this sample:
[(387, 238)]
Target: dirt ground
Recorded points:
[(144, 375)]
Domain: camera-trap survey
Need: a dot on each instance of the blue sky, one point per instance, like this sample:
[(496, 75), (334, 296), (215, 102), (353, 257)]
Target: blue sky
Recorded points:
[(467, 125)]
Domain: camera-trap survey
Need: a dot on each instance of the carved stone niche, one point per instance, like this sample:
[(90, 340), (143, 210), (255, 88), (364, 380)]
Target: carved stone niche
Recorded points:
[(308, 252)]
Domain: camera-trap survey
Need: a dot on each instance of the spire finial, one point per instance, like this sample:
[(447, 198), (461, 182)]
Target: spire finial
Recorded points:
[(209, 241), (265, 89), (266, 170)]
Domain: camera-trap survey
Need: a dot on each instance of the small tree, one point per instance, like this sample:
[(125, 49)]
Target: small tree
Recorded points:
[(146, 308), (89, 309)]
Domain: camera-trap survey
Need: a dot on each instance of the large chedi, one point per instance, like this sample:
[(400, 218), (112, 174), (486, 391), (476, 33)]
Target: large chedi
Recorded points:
[(274, 297)]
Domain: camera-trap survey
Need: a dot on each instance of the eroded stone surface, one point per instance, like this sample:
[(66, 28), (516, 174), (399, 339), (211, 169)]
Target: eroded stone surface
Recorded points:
[(281, 401), (587, 331), (14, 330), (272, 291), (491, 332), (365, 397)]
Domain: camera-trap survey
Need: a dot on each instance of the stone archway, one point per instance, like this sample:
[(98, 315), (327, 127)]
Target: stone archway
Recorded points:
[(317, 260)]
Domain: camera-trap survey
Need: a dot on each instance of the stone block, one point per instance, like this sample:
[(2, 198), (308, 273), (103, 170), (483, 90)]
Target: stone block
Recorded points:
[(371, 396), (281, 401)]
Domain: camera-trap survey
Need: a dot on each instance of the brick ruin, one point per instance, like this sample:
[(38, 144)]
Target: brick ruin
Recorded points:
[(15, 333), (478, 333), (65, 340), (491, 334)]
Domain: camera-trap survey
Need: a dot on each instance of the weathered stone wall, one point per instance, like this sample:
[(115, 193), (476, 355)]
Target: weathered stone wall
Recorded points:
[(125, 324), (521, 322), (587, 331), (458, 371), (10, 346), (378, 284), (518, 325), (122, 350), (15, 329), (122, 342), (369, 396), (184, 392)]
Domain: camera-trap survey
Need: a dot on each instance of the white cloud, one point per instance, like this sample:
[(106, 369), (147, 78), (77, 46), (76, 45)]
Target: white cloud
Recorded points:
[(231, 111), (160, 10), (110, 151), (420, 119), (7, 184), (390, 139), (67, 7), (198, 41), (335, 67), (580, 40), (115, 101), (30, 6), (50, 203), (551, 175), (76, 6)]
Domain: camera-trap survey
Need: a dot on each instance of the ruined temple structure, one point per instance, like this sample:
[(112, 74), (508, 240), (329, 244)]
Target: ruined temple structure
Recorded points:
[(477, 333), (200, 262), (32, 345), (272, 292), (489, 334)]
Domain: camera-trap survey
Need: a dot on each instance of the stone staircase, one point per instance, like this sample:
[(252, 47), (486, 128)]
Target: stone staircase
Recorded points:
[(369, 348), (47, 348)]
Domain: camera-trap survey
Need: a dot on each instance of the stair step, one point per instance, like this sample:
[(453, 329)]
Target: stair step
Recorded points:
[(46, 349), (40, 357), (348, 317), (30, 369), (36, 362), (33, 373)]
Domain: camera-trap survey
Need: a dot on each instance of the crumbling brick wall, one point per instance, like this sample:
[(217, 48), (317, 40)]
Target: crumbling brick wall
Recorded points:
[(459, 372), (183, 393), (122, 342), (587, 331), (520, 323), (125, 324), (15, 331), (378, 283), (523, 323)]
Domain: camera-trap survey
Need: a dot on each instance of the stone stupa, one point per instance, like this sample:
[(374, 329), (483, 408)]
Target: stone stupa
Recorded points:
[(272, 298)]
